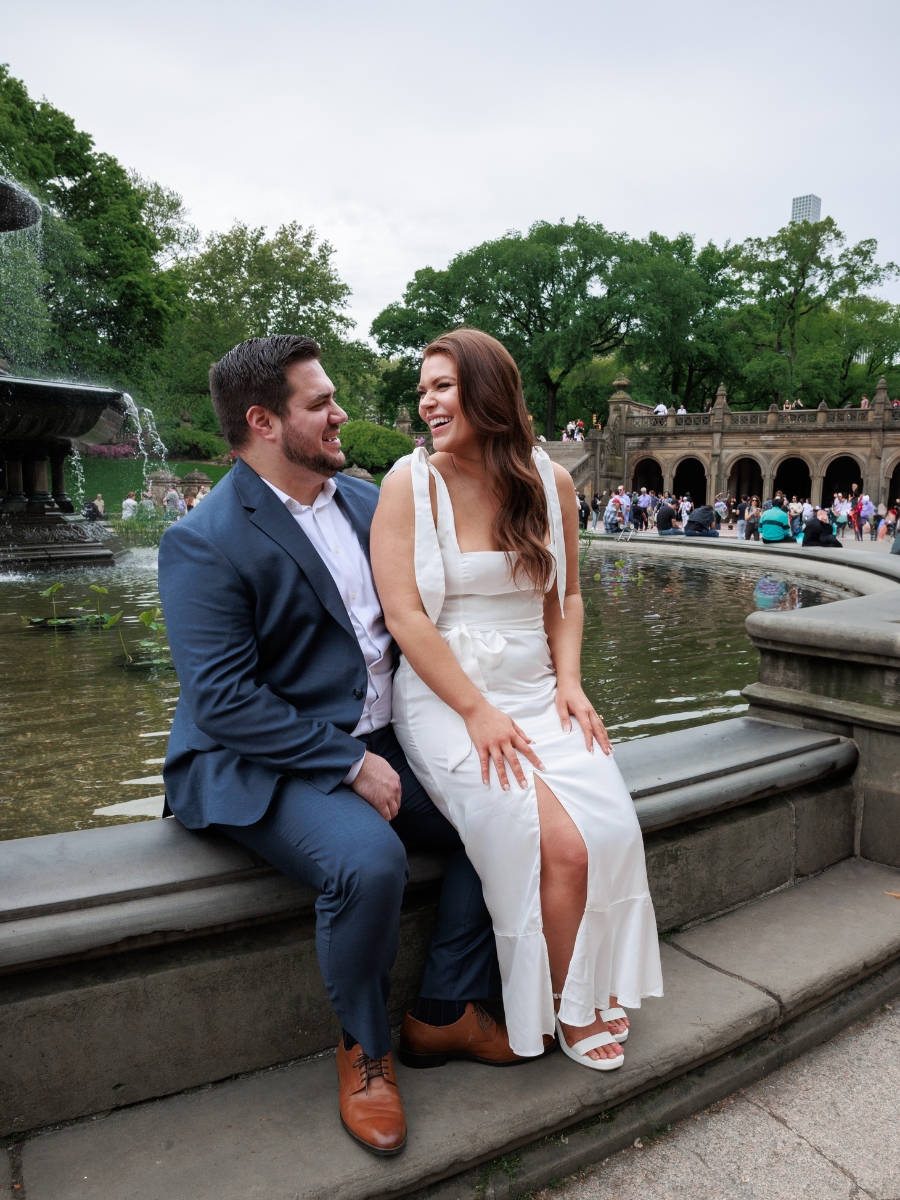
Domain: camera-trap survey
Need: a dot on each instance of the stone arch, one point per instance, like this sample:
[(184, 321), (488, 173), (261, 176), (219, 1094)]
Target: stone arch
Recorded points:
[(839, 471), (691, 474), (745, 475), (647, 472), (793, 475), (892, 481)]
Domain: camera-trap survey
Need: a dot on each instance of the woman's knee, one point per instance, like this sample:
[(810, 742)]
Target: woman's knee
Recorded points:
[(565, 853)]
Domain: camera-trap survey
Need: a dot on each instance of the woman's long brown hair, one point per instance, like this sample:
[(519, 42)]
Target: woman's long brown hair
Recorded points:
[(490, 395)]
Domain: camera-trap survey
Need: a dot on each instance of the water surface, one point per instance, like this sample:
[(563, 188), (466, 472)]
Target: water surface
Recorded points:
[(84, 737)]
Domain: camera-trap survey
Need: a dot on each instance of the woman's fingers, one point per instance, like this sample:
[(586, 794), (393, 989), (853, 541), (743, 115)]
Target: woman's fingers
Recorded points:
[(500, 767), (515, 766), (484, 759), (531, 755), (599, 732), (564, 718)]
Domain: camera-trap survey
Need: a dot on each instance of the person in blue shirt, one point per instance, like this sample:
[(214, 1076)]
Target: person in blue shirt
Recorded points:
[(774, 524)]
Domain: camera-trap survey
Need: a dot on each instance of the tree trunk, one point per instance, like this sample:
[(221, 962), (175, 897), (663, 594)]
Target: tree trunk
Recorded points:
[(550, 424)]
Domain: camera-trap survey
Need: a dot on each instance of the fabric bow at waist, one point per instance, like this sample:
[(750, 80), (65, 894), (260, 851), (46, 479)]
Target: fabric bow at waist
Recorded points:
[(476, 650)]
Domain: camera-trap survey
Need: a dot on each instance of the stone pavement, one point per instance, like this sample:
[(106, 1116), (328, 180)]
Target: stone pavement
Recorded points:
[(827, 1125)]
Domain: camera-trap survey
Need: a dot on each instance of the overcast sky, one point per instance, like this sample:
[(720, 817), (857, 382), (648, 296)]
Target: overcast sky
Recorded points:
[(407, 130)]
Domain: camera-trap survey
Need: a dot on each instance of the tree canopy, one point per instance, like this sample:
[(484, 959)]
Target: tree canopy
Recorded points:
[(116, 285), (555, 297), (244, 284), (576, 304), (101, 301)]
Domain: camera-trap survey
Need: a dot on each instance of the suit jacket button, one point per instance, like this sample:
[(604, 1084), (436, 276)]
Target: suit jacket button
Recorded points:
[(357, 693)]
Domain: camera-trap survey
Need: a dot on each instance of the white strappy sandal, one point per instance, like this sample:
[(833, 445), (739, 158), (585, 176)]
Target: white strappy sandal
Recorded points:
[(578, 1052), (615, 1014)]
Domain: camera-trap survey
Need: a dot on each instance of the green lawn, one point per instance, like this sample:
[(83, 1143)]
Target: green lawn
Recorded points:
[(114, 480)]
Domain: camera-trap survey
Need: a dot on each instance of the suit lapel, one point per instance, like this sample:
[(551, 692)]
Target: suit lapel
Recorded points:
[(270, 516)]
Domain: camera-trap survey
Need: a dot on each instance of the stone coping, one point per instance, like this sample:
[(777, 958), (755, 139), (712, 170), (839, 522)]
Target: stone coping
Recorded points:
[(846, 567), (103, 891), (734, 980), (865, 629)]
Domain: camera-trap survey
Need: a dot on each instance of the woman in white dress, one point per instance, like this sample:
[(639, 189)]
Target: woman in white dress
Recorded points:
[(475, 555)]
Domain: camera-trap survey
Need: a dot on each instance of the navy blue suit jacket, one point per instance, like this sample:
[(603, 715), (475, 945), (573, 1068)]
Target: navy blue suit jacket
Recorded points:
[(272, 676)]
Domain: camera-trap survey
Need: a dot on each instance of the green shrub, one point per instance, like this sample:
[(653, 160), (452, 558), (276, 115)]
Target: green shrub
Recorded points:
[(373, 447), (194, 443)]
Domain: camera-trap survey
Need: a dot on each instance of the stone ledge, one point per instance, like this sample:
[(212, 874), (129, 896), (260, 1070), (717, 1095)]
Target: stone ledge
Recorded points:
[(808, 704), (279, 1130), (107, 890), (865, 629)]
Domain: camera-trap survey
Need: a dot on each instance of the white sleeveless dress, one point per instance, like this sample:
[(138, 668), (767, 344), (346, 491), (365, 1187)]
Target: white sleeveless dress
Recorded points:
[(495, 629)]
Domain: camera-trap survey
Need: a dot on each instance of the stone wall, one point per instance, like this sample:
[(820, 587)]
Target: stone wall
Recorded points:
[(726, 444)]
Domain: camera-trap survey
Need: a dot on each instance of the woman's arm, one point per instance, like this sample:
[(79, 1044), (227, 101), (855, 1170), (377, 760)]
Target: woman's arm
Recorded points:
[(564, 635), (495, 736)]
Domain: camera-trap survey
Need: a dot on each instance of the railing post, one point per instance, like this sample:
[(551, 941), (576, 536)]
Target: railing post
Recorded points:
[(822, 414)]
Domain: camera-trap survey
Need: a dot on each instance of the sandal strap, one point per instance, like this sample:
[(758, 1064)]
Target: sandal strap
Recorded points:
[(613, 1014), (594, 1042)]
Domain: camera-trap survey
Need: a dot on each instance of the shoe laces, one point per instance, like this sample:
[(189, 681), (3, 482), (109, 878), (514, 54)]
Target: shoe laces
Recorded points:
[(371, 1068), (485, 1020)]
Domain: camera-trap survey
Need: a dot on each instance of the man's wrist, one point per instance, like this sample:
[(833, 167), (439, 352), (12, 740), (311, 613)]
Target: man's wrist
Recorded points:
[(354, 770)]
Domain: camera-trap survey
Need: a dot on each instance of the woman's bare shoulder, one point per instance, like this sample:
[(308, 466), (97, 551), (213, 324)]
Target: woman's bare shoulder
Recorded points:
[(563, 479), (397, 482)]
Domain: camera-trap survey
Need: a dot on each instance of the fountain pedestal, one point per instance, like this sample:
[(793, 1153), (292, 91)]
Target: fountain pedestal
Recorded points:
[(37, 420)]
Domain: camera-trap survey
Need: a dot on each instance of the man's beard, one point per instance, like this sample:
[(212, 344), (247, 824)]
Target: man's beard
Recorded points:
[(302, 451)]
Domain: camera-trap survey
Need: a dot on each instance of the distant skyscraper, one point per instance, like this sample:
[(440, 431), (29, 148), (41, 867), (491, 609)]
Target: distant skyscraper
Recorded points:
[(806, 208)]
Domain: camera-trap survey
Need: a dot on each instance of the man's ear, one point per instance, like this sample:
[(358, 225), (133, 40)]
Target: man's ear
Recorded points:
[(260, 421)]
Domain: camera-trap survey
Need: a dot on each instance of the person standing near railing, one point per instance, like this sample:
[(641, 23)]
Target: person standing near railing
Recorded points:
[(741, 511), (795, 512)]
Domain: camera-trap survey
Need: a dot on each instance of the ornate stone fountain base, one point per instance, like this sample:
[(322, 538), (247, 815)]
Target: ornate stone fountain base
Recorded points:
[(50, 541), (38, 419)]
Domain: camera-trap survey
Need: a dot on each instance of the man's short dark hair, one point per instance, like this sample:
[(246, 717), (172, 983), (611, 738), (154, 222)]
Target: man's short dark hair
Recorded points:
[(776, 503), (254, 373)]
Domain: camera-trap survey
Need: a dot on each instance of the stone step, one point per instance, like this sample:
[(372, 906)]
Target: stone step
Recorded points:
[(276, 1133)]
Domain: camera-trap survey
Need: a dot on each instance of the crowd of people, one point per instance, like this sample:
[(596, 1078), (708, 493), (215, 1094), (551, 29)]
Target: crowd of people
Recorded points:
[(174, 504), (775, 519)]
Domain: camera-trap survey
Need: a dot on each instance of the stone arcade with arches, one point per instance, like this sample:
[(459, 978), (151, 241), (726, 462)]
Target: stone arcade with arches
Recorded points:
[(811, 453)]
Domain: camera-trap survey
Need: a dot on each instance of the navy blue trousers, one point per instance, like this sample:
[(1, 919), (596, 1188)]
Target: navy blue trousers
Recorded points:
[(356, 860)]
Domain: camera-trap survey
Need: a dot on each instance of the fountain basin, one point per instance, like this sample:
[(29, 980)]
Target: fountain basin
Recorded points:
[(38, 419), (43, 408), (18, 208)]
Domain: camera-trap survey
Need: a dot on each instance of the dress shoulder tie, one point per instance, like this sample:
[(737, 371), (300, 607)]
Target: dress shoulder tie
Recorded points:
[(429, 561), (544, 465)]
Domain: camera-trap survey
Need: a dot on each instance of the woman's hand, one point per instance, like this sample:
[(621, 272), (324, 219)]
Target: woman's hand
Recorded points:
[(572, 702), (499, 740)]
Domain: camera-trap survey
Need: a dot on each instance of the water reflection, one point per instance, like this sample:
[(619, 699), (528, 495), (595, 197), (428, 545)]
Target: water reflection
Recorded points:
[(84, 739), (81, 735), (665, 645)]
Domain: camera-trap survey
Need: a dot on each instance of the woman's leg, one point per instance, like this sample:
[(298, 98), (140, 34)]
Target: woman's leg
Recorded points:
[(564, 871)]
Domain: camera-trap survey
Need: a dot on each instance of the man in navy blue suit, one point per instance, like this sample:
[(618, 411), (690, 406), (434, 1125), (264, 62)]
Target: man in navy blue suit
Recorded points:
[(282, 736)]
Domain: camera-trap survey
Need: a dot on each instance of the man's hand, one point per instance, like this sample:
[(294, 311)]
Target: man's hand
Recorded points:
[(379, 785)]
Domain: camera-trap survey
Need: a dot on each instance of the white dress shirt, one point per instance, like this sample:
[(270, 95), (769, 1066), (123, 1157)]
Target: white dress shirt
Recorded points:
[(336, 543)]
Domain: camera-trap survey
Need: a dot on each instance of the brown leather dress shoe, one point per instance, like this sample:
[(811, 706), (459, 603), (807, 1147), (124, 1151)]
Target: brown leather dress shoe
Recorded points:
[(475, 1037), (371, 1108)]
